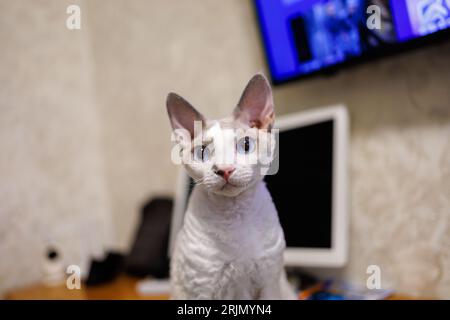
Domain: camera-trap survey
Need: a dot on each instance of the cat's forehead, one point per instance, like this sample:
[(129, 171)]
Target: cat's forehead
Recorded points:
[(224, 124)]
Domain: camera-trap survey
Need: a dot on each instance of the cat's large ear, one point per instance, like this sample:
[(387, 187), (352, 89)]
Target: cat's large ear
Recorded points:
[(256, 104), (181, 114)]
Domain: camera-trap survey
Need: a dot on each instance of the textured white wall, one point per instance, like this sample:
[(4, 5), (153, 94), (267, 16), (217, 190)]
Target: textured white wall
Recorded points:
[(119, 69), (52, 188)]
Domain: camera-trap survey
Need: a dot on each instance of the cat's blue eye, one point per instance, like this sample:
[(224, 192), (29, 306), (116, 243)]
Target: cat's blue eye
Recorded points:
[(202, 153), (245, 145)]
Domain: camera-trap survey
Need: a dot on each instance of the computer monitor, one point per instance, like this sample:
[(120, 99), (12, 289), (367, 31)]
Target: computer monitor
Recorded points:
[(309, 190)]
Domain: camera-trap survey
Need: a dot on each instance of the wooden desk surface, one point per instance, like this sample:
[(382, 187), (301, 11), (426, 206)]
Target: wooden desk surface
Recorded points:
[(122, 288)]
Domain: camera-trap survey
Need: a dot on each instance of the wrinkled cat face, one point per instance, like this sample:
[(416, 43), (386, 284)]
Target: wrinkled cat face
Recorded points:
[(223, 155), (224, 159)]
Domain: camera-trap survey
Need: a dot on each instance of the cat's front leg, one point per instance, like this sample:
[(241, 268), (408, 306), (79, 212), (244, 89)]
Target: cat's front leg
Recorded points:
[(270, 291), (274, 283), (278, 289)]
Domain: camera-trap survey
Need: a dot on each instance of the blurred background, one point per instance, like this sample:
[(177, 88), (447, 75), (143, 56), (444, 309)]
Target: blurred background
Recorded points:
[(85, 138)]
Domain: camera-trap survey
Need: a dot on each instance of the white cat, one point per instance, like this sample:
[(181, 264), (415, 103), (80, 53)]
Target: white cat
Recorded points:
[(231, 243)]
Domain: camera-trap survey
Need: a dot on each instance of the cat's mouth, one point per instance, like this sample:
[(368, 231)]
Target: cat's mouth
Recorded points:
[(228, 184)]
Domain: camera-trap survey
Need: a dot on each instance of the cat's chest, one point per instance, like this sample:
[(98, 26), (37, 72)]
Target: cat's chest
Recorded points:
[(243, 238), (234, 266), (246, 238), (245, 246)]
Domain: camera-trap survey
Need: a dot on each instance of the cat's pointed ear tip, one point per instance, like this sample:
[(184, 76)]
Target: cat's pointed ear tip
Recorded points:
[(172, 96), (172, 99), (260, 75), (260, 78)]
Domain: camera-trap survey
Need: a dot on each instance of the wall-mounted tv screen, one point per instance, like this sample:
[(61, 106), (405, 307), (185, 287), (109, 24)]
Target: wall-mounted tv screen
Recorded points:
[(305, 37)]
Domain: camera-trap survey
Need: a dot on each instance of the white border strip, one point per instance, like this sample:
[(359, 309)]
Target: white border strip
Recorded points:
[(337, 256)]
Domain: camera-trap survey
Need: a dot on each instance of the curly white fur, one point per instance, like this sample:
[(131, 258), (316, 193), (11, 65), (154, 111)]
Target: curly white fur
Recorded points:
[(230, 248)]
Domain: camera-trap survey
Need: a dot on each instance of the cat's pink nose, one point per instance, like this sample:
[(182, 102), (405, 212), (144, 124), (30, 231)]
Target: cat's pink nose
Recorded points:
[(225, 172)]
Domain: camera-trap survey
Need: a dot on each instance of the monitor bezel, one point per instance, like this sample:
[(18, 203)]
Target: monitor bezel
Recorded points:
[(337, 255)]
